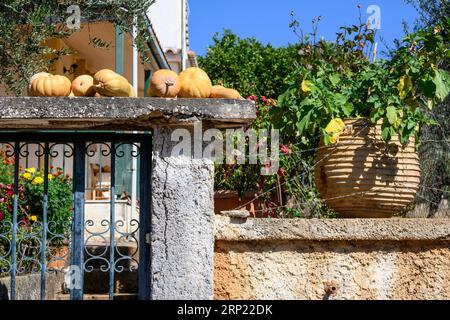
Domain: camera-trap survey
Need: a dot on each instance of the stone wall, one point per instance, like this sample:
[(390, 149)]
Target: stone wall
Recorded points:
[(332, 259), (28, 286)]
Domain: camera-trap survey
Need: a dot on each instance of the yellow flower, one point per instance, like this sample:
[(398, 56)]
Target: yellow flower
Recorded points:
[(333, 138), (50, 176), (37, 181), (34, 218), (306, 86), (335, 128), (27, 176), (30, 170)]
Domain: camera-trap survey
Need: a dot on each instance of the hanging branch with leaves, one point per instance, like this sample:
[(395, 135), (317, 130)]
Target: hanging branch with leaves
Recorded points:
[(26, 25)]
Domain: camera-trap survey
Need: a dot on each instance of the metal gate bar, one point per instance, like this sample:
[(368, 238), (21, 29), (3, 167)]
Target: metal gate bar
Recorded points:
[(112, 219), (77, 253)]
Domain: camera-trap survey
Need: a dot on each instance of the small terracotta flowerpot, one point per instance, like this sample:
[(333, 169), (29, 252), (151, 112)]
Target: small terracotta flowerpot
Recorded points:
[(226, 200)]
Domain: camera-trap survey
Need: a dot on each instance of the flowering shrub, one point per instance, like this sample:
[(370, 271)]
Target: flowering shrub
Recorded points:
[(291, 191), (31, 198), (59, 198)]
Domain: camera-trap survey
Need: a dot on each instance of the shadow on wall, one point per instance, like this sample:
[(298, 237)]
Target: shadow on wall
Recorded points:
[(3, 292)]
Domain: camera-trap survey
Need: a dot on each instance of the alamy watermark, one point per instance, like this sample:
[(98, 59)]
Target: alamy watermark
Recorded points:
[(74, 20), (374, 17), (233, 146)]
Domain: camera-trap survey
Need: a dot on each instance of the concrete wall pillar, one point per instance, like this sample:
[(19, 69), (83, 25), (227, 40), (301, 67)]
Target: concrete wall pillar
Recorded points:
[(182, 246)]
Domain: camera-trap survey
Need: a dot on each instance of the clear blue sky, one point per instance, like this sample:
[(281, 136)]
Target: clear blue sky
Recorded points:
[(268, 20)]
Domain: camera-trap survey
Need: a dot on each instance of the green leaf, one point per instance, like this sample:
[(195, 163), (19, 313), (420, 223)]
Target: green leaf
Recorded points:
[(428, 87), (386, 130), (404, 86), (391, 115), (376, 114), (407, 130), (442, 82), (304, 122), (386, 133), (327, 139), (335, 79), (348, 109)]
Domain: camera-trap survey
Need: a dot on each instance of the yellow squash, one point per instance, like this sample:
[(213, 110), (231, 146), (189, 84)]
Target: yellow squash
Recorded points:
[(132, 92), (108, 83), (220, 92)]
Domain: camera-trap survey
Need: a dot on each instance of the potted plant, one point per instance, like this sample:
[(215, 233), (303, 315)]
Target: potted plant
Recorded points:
[(241, 186), (367, 113)]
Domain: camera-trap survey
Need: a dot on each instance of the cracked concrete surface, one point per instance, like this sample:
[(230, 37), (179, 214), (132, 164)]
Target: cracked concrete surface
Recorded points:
[(81, 113), (182, 223)]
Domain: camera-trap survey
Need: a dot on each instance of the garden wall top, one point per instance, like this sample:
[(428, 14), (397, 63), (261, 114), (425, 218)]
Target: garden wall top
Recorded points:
[(395, 229), (120, 113)]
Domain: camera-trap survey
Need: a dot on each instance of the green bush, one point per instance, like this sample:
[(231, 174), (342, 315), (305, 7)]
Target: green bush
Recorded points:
[(247, 65)]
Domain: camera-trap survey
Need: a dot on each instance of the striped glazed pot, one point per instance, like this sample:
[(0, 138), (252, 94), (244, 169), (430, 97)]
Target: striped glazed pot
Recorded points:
[(363, 177)]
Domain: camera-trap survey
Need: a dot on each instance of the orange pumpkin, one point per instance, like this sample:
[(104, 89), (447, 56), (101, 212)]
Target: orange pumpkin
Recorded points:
[(194, 83), (164, 83), (51, 86), (83, 86), (220, 92), (34, 77)]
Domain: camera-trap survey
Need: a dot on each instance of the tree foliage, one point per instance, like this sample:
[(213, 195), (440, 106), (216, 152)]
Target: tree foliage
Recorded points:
[(247, 65), (431, 12), (25, 25), (435, 147)]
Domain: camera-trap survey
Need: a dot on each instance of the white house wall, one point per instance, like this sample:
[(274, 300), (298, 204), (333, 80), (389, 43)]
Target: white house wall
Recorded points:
[(166, 19)]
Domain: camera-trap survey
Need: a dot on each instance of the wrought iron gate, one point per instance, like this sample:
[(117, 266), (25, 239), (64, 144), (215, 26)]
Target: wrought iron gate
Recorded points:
[(57, 216)]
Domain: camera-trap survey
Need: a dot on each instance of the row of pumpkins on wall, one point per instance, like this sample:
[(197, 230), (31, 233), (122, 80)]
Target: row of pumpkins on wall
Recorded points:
[(191, 83)]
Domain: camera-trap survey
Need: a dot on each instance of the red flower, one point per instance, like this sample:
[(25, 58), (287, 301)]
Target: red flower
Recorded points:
[(252, 98), (2, 216), (281, 172), (25, 222)]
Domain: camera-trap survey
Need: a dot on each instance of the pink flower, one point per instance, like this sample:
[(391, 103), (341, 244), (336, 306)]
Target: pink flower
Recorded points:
[(285, 149), (281, 172), (268, 167), (252, 98)]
